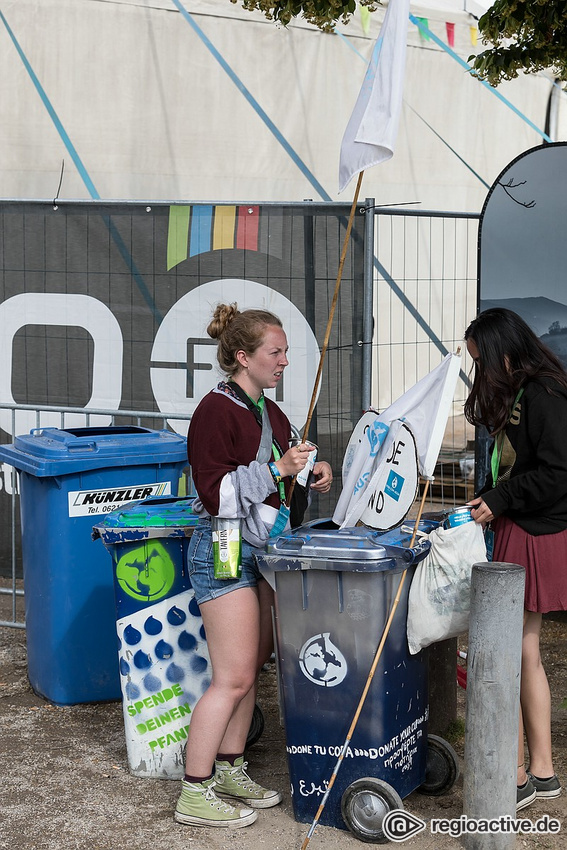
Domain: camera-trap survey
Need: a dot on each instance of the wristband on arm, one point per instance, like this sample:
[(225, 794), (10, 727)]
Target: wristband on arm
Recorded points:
[(275, 473)]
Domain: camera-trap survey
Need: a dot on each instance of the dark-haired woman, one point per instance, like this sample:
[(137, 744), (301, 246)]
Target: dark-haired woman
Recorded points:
[(520, 394), (238, 447)]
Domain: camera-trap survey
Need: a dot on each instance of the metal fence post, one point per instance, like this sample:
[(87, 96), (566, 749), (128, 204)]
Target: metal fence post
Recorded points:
[(368, 305), (493, 700)]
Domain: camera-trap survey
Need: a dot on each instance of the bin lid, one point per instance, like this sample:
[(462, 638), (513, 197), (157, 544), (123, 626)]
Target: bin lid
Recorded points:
[(158, 516), (53, 451), (400, 535), (359, 548)]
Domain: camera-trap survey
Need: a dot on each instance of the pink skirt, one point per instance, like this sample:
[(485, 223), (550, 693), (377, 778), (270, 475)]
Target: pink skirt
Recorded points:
[(545, 559)]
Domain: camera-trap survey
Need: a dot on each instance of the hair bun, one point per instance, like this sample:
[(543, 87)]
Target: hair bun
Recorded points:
[(222, 316)]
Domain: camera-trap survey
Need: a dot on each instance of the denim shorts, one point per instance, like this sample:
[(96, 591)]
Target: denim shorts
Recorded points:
[(201, 569)]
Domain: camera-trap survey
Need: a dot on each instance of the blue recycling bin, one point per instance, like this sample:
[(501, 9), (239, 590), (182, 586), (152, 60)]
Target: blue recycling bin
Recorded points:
[(68, 478), (334, 590), (162, 651)]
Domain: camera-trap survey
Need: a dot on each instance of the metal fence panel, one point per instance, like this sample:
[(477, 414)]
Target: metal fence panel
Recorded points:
[(425, 295), (105, 306), (98, 311)]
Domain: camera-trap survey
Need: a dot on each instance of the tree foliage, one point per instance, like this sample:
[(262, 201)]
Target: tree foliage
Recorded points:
[(323, 13), (525, 35)]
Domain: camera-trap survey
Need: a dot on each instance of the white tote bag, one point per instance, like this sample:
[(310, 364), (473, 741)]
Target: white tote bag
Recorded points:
[(439, 596)]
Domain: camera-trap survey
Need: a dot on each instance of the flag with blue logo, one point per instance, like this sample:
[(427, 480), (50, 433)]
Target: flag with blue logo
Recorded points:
[(424, 410)]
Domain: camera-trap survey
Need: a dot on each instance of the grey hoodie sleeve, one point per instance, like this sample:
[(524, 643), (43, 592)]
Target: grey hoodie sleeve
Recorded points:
[(245, 487)]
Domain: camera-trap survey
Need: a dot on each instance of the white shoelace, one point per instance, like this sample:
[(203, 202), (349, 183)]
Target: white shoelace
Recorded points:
[(212, 798), (245, 781)]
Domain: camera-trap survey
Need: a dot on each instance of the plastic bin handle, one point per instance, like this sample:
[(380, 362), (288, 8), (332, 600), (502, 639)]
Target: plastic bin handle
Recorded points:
[(408, 555), (293, 543), (82, 446), (78, 445)]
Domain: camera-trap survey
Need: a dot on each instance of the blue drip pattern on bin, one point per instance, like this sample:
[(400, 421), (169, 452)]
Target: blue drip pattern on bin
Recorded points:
[(149, 663), (163, 657)]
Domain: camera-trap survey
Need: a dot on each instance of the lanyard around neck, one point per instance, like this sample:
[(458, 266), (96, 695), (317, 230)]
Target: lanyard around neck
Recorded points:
[(257, 408)]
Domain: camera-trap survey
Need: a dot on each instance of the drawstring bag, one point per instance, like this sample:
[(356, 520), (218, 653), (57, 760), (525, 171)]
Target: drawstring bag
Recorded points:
[(439, 596), (300, 496), (299, 504)]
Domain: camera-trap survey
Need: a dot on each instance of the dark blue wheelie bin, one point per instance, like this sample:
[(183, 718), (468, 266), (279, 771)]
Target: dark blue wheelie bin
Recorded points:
[(334, 590)]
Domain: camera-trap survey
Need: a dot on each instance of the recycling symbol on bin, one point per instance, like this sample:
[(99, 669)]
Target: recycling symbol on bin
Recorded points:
[(322, 662), (146, 573)]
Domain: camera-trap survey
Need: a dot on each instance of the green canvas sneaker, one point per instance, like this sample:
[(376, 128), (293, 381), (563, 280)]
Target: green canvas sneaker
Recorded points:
[(199, 805), (234, 782)]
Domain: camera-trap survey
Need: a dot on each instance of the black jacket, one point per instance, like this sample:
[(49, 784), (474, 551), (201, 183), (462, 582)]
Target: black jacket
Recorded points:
[(535, 454)]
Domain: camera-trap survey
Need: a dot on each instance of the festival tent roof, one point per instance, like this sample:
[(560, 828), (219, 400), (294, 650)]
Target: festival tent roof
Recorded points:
[(140, 100)]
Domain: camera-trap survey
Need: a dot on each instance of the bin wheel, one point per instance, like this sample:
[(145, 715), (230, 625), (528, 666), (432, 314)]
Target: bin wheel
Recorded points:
[(442, 767), (256, 726), (365, 804)]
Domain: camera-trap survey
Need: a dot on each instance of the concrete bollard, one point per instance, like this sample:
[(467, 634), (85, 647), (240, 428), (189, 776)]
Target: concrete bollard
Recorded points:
[(493, 700)]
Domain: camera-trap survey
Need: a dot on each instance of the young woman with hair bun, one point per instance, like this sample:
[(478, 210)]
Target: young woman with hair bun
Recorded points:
[(242, 467)]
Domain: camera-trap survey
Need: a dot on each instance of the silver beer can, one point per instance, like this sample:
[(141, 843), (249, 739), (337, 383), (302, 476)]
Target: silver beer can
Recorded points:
[(458, 517)]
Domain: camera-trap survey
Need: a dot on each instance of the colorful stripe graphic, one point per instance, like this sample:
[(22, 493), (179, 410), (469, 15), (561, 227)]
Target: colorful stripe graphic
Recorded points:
[(223, 228), (248, 226), (177, 235), (196, 229), (201, 226)]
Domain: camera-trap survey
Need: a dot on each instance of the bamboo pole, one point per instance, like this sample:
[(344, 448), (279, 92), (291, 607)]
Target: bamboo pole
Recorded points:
[(330, 320), (362, 700)]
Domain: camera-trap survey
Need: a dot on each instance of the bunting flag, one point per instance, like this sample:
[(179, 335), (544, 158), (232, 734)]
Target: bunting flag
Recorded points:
[(450, 34), (364, 19), (200, 228), (425, 409), (373, 126), (424, 31), (474, 36)]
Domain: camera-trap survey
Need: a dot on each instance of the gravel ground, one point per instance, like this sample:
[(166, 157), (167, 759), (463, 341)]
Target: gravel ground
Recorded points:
[(66, 782)]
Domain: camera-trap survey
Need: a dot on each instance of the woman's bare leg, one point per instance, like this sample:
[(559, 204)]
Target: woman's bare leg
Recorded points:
[(535, 699), (221, 719)]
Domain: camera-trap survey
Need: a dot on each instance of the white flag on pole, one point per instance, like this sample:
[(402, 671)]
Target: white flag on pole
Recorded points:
[(425, 408), (371, 132)]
